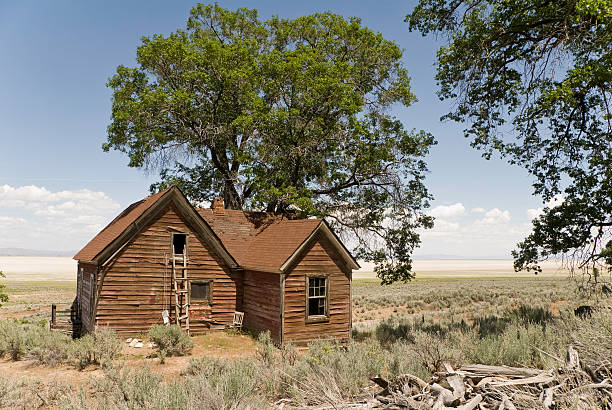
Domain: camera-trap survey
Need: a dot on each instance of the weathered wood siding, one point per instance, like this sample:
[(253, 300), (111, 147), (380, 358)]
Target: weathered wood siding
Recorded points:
[(136, 286), (320, 258), (86, 279), (261, 302)]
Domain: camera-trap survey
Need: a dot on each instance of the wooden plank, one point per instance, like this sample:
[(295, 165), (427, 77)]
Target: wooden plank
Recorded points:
[(138, 285), (320, 259), (261, 302)]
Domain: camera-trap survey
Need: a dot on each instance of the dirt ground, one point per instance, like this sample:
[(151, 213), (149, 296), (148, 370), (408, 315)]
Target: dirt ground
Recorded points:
[(217, 344)]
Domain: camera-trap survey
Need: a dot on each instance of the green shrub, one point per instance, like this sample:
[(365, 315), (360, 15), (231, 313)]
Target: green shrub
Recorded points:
[(17, 339), (490, 325), (522, 315), (170, 340), (51, 348), (402, 359), (350, 366), (265, 348), (13, 339), (196, 366), (526, 314), (99, 347), (432, 349), (31, 392), (80, 352), (393, 329), (218, 384), (289, 354), (3, 296), (516, 346), (6, 388), (23, 340), (441, 329), (136, 388), (231, 382), (107, 346)]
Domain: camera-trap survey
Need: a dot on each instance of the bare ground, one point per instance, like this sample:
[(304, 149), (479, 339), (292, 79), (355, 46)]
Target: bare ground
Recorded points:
[(217, 344)]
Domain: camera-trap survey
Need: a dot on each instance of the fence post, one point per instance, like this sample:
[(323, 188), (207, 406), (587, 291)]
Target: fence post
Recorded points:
[(53, 310)]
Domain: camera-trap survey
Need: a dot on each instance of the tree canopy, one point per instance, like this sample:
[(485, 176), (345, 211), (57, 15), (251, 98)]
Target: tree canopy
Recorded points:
[(282, 115), (531, 81)]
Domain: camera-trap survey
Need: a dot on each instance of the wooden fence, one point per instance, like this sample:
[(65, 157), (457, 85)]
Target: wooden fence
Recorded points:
[(66, 320)]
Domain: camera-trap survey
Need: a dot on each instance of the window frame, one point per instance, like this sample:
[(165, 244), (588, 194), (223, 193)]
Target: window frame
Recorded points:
[(209, 297), (317, 318)]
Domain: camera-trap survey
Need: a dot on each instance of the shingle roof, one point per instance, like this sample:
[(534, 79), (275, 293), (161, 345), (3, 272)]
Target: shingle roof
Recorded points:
[(256, 240), (259, 240), (117, 226)]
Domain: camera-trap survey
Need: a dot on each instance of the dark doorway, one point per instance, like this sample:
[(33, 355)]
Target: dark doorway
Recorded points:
[(179, 240)]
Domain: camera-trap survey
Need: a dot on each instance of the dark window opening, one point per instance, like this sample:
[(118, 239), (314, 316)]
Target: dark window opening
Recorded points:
[(317, 296), (200, 291), (178, 243)]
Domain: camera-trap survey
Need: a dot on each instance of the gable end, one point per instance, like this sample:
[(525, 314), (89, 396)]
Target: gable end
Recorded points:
[(173, 196)]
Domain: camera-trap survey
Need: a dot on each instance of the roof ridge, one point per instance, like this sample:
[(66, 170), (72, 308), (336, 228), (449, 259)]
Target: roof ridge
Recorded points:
[(252, 239), (117, 225)]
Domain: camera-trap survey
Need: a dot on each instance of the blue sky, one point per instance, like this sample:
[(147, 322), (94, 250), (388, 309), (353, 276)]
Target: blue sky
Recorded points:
[(58, 188)]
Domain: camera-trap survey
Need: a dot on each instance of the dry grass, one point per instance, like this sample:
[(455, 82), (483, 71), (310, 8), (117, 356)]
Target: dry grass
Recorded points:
[(440, 319), (458, 299), (32, 300)]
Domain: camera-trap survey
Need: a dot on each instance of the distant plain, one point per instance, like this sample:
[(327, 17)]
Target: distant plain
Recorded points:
[(35, 282), (46, 268)]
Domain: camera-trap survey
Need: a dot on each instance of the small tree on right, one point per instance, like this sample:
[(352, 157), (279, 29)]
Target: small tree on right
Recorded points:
[(531, 82), (3, 296)]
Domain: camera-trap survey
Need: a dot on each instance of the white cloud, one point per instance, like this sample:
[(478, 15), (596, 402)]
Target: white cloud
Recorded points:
[(35, 217), (533, 213), (447, 211), (7, 222), (495, 217), (444, 228), (481, 233)]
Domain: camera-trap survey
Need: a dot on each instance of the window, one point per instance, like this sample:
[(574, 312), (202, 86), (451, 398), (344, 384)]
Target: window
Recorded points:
[(179, 240), (317, 297), (200, 291)]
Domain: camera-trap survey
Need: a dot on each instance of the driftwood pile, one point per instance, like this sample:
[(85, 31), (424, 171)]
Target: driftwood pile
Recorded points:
[(573, 385)]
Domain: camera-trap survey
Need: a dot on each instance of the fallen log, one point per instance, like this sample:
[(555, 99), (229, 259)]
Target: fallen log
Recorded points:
[(507, 403), (543, 378), (483, 370), (572, 361), (472, 403), (480, 386), (547, 398), (444, 396), (380, 381)]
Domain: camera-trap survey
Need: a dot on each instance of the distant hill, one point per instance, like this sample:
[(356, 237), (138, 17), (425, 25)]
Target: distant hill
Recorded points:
[(33, 252)]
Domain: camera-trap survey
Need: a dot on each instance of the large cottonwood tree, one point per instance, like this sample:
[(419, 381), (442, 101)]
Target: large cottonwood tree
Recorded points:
[(531, 80), (283, 115)]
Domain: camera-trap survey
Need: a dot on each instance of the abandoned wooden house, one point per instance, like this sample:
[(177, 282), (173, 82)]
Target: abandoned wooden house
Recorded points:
[(163, 261)]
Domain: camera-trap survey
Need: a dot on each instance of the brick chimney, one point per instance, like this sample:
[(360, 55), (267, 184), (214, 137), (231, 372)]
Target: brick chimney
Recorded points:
[(217, 206)]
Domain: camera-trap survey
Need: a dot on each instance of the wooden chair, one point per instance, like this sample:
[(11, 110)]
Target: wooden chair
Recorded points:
[(237, 322)]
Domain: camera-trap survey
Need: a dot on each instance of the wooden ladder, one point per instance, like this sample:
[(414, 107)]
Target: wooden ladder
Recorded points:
[(180, 289)]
